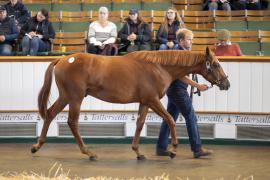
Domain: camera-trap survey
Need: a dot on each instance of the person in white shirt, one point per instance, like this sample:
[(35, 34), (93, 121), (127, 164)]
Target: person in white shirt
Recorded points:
[(102, 34)]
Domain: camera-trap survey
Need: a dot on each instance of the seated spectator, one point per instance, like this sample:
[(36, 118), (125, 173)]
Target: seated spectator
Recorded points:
[(8, 33), (166, 35), (135, 34), (102, 35), (238, 4), (249, 4), (253, 5), (225, 47), (264, 4), (18, 11), (216, 5), (37, 33)]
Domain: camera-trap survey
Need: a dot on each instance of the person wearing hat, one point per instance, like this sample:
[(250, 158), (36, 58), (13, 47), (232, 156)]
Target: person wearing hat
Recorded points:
[(135, 35), (166, 35), (18, 11), (8, 33), (225, 47)]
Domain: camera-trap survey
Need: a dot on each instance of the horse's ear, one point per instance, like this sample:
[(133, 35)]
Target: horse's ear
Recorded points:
[(207, 51)]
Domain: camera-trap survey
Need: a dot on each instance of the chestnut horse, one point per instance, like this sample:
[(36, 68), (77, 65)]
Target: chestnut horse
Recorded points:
[(142, 77)]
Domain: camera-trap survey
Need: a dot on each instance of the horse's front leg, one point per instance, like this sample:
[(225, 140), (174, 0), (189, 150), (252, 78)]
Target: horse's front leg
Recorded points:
[(158, 108), (143, 109)]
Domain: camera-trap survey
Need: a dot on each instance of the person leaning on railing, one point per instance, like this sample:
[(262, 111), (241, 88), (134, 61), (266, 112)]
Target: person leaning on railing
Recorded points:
[(225, 47)]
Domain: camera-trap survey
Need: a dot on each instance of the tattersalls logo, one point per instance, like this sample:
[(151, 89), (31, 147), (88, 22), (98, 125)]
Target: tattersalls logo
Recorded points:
[(10, 117), (132, 117), (153, 117), (244, 119), (211, 118)]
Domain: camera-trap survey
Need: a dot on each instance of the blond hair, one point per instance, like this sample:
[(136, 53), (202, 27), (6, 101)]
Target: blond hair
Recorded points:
[(182, 33), (223, 35), (103, 9)]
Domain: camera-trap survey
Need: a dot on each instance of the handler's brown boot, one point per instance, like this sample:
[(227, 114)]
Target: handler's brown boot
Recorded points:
[(202, 152), (162, 152)]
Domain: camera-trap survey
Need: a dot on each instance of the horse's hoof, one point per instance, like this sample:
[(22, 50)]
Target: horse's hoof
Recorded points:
[(93, 158), (141, 157), (34, 150), (172, 155)]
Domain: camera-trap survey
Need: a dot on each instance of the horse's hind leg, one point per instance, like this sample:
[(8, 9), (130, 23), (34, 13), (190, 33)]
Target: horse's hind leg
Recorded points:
[(57, 107), (158, 108), (139, 125), (73, 119)]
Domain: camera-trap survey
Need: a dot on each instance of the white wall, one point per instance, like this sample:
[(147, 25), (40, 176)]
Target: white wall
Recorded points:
[(249, 92)]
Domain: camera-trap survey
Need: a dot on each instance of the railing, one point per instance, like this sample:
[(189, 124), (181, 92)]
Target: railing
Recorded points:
[(51, 58)]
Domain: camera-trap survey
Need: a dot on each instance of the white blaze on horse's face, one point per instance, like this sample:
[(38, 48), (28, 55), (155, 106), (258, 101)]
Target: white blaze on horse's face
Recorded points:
[(71, 60), (214, 73)]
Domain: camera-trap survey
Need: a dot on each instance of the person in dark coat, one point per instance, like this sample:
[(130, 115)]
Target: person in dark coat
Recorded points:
[(18, 11), (217, 5), (166, 35), (179, 101), (135, 35), (37, 33), (8, 33)]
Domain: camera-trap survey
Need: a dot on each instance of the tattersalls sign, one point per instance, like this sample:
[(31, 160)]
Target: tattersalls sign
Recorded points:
[(18, 117), (132, 116)]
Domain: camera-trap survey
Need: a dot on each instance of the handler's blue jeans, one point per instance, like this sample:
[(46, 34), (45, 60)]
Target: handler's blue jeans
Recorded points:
[(180, 102)]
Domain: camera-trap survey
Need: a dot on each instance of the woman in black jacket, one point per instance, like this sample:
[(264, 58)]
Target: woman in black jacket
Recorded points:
[(37, 33), (135, 34)]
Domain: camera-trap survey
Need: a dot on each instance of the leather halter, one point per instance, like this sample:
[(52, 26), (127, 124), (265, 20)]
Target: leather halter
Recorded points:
[(210, 68)]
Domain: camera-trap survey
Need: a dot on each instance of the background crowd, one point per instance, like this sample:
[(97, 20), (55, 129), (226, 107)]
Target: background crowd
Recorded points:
[(30, 35)]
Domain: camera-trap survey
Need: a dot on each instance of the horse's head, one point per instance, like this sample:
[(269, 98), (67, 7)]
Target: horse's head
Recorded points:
[(213, 72)]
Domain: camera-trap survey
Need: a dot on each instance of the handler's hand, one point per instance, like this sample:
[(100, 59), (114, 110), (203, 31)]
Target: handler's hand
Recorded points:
[(2, 38), (202, 87)]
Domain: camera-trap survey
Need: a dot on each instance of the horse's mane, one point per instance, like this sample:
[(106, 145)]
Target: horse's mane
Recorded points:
[(168, 57)]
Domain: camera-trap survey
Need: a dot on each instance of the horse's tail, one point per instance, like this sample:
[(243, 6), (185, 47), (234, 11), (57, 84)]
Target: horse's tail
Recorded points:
[(43, 95)]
